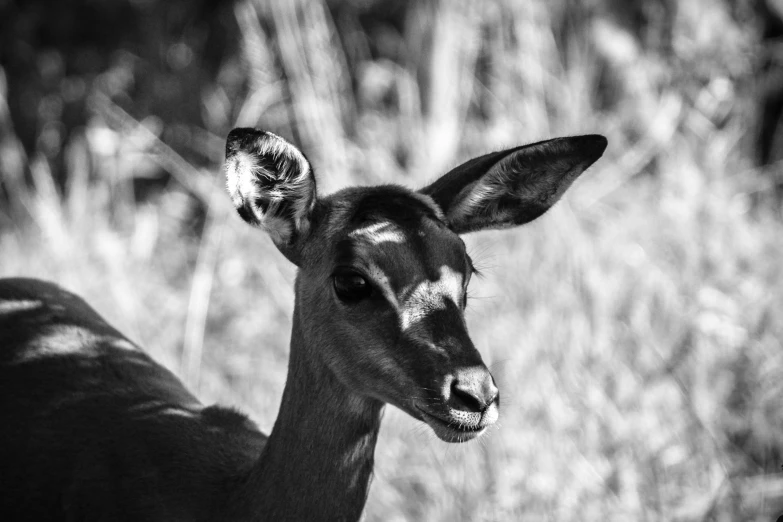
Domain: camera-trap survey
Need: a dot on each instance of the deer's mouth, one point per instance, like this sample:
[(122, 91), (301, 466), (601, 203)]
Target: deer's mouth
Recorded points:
[(449, 429)]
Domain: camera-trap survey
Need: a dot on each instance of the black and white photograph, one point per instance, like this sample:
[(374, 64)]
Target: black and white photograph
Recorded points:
[(391, 260)]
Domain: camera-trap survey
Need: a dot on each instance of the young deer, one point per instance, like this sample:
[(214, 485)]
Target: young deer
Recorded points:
[(91, 428)]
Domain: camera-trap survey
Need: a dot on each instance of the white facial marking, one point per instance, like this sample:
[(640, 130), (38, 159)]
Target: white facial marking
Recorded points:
[(376, 233), (429, 296)]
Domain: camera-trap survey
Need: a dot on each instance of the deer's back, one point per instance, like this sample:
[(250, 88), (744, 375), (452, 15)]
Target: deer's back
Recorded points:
[(91, 428)]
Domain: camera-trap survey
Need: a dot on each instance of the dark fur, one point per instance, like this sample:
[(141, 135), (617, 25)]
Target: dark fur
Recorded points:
[(91, 428), (88, 420)]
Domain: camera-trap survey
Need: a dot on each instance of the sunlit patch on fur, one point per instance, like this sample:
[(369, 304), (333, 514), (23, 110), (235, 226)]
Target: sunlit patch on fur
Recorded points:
[(155, 408), (121, 344), (377, 233), (21, 305), (67, 339), (240, 169), (271, 185), (429, 296)]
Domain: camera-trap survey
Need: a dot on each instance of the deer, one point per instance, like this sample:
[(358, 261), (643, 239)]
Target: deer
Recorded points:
[(92, 428)]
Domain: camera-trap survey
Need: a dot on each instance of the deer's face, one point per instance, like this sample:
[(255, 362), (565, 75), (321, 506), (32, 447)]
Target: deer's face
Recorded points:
[(388, 283), (383, 272)]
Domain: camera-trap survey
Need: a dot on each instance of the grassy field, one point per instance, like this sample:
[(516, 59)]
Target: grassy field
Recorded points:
[(634, 331)]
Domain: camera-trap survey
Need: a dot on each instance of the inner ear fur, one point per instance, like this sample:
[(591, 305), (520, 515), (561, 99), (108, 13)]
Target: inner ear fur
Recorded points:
[(514, 186), (271, 185)]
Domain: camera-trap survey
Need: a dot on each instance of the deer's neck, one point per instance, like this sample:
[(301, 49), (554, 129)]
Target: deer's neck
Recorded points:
[(318, 461)]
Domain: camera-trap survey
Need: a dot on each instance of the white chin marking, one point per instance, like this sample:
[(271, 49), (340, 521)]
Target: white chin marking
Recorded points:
[(453, 435), (452, 431)]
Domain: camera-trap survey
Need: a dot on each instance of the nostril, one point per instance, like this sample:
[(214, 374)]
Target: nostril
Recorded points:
[(466, 399), (473, 390)]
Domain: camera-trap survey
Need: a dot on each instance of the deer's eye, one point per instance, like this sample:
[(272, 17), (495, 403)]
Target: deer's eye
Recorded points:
[(351, 286)]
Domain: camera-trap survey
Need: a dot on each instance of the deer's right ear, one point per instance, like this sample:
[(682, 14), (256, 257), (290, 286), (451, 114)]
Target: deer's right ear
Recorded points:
[(272, 186)]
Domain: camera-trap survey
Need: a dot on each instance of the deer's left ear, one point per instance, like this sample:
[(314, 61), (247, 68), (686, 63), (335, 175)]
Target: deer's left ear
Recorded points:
[(511, 187)]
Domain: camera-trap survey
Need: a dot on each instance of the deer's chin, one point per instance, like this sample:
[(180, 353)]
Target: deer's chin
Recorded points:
[(451, 429)]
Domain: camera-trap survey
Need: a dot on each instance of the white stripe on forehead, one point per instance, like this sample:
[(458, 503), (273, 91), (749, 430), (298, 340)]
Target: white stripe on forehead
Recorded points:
[(382, 232), (375, 234)]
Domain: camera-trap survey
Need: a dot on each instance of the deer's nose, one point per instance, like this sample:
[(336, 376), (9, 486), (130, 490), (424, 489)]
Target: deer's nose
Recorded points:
[(473, 390)]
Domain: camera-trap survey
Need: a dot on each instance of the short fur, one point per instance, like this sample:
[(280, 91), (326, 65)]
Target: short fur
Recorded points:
[(514, 186), (91, 428)]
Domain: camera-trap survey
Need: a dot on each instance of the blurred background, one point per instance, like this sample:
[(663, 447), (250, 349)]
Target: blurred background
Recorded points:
[(635, 330)]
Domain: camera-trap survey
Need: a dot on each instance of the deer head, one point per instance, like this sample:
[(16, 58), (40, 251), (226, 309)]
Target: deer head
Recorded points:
[(383, 272)]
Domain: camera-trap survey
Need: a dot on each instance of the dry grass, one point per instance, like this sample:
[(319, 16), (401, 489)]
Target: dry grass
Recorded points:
[(634, 330)]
